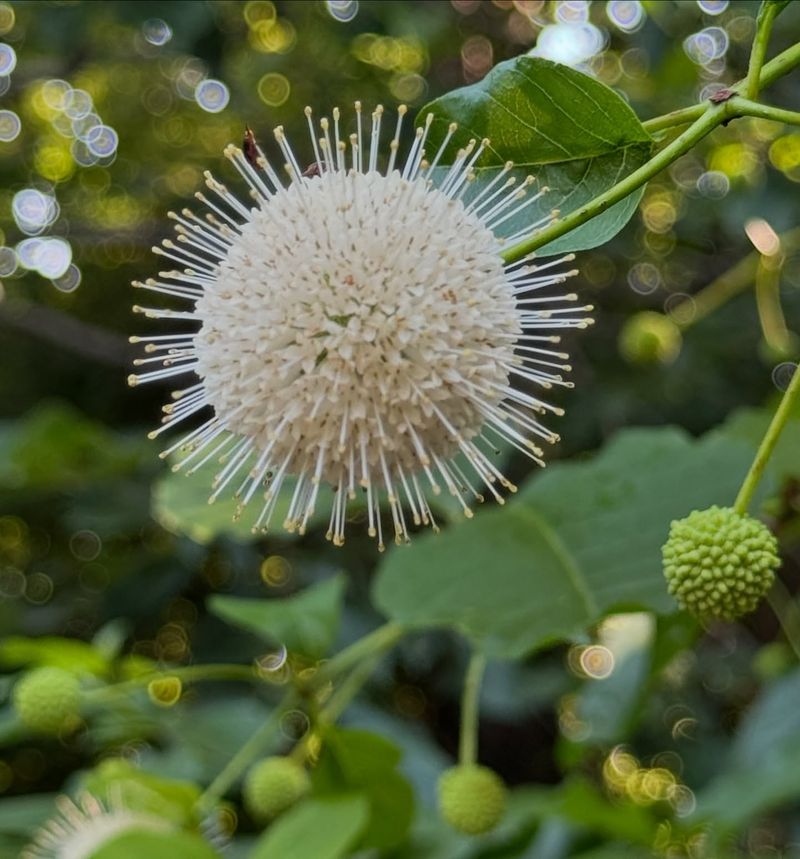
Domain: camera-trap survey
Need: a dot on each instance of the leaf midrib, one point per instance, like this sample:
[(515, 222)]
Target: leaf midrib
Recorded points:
[(568, 561)]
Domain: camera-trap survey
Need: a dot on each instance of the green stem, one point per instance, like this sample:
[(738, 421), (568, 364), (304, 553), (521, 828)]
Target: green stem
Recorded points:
[(711, 118), (344, 694), (468, 740), (778, 66), (758, 53), (377, 641), (767, 445), (255, 746), (364, 654), (744, 107), (730, 283), (186, 674), (676, 117), (774, 69)]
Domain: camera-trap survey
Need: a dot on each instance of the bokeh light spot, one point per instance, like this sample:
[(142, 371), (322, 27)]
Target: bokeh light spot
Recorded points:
[(33, 210), (8, 59), (7, 18), (782, 375), (570, 44), (275, 571), (342, 10), (212, 95), (713, 7), (8, 261), (69, 281), (10, 126), (102, 141), (274, 89), (156, 31), (627, 15), (707, 45)]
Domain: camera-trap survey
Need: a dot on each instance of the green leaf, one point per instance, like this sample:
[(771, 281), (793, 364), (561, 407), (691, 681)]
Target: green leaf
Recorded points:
[(751, 425), (582, 539), (306, 623), (67, 653), (323, 828), (762, 771), (180, 504), (573, 133), (169, 799), (156, 845), (607, 705), (54, 447), (365, 763), (22, 815)]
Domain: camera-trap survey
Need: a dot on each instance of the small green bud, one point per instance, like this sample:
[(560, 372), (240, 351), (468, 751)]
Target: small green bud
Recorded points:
[(719, 563), (273, 785), (47, 700), (650, 338), (472, 798)]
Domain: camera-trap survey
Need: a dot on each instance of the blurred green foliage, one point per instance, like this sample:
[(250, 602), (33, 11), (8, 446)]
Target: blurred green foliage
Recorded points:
[(689, 743)]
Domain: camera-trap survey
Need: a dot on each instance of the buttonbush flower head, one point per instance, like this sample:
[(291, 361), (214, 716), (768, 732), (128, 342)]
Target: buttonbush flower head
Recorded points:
[(720, 563), (358, 327), (47, 700), (82, 827), (274, 785), (472, 798)]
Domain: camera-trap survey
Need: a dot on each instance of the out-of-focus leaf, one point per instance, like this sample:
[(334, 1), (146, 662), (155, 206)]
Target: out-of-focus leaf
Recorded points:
[(325, 828), (54, 447), (763, 770), (362, 762), (582, 539), (180, 504), (156, 845), (577, 136), (22, 815), (751, 424), (170, 799), (67, 653), (306, 622), (606, 705)]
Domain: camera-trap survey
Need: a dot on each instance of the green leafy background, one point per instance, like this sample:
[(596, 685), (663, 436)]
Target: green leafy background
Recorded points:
[(111, 564)]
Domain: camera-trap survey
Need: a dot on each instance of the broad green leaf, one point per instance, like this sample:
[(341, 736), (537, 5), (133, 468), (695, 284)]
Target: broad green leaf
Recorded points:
[(582, 539), (763, 771), (751, 424), (306, 622), (138, 790), (67, 653), (323, 828), (180, 504), (606, 705), (156, 845), (365, 763), (573, 133), (55, 447)]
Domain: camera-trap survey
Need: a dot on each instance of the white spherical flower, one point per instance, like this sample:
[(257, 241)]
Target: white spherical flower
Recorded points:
[(81, 828), (359, 328)]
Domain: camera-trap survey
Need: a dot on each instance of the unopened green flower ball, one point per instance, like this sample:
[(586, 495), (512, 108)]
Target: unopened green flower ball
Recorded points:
[(47, 700), (472, 798), (650, 338), (719, 563), (273, 785)]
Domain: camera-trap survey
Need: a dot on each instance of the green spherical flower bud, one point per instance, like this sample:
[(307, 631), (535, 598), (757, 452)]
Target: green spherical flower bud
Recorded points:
[(274, 785), (650, 338), (47, 700), (472, 798), (719, 563)]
